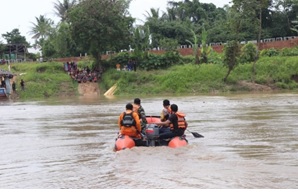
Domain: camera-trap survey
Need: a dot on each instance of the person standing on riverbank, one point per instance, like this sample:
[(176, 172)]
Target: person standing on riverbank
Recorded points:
[(22, 83), (13, 86)]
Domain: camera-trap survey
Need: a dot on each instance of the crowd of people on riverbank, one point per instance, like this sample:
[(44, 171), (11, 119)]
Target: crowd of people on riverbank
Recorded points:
[(130, 66), (82, 75)]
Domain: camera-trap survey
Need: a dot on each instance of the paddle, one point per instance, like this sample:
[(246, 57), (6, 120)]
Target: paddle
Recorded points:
[(195, 134)]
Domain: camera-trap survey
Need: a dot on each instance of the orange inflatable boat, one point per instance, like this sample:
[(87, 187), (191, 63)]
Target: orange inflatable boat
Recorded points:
[(149, 139)]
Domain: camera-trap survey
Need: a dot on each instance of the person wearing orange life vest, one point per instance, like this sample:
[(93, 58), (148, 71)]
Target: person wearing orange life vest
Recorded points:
[(129, 122), (176, 122)]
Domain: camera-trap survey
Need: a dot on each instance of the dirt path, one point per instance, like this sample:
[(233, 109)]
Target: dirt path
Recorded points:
[(88, 89), (254, 86)]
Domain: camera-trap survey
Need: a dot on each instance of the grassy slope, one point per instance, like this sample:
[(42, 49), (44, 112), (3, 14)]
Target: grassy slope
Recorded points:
[(196, 79), (49, 80), (42, 80)]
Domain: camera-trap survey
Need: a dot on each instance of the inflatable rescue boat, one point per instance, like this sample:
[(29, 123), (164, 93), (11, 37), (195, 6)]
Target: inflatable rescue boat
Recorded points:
[(149, 138)]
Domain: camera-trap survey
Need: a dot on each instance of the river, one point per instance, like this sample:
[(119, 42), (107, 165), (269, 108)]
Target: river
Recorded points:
[(250, 142)]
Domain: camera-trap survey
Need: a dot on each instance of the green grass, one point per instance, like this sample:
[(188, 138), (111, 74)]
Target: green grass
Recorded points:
[(49, 80), (42, 80), (204, 78)]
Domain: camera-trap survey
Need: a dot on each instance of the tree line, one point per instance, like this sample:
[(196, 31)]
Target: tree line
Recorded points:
[(97, 26)]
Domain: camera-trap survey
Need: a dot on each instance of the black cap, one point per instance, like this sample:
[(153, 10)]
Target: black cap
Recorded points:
[(166, 102), (137, 101)]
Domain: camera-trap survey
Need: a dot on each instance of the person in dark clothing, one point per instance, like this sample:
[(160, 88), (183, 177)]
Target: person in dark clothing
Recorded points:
[(134, 65), (13, 86), (129, 65), (165, 114), (22, 83), (137, 107), (176, 128)]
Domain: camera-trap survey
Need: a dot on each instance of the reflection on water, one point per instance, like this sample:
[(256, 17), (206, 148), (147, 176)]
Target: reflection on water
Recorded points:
[(250, 142)]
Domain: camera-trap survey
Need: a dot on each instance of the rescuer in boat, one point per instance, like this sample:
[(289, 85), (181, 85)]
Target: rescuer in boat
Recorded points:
[(137, 107), (129, 122), (176, 122), (165, 114), (166, 111)]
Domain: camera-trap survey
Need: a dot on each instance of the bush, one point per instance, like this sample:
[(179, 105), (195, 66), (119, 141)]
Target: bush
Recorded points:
[(289, 52), (188, 59), (248, 53), (269, 52)]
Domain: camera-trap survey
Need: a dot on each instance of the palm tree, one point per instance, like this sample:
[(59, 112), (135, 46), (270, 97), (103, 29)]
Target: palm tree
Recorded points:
[(62, 8), (41, 30)]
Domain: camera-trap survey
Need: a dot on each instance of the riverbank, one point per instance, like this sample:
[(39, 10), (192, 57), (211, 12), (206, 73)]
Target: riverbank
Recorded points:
[(49, 80), (272, 74)]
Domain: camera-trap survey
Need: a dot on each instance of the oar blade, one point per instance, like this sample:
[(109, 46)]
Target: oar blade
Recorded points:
[(197, 135)]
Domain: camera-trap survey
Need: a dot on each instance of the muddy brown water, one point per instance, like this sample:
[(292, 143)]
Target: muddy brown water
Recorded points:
[(250, 142)]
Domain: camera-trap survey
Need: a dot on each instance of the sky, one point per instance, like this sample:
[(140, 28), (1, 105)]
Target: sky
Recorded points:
[(22, 13)]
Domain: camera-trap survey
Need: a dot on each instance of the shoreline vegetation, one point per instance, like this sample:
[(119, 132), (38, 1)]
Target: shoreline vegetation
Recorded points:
[(49, 80)]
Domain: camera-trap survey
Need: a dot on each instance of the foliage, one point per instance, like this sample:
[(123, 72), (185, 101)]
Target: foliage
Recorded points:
[(205, 50), (178, 79), (188, 59), (151, 62), (169, 45), (269, 52), (248, 53), (215, 58), (121, 58), (49, 80), (41, 30), (140, 42), (63, 8), (231, 56), (100, 25), (195, 46), (271, 71), (63, 43), (289, 52), (14, 37)]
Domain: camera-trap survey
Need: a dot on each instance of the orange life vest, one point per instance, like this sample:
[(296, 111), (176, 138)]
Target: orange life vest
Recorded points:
[(182, 124)]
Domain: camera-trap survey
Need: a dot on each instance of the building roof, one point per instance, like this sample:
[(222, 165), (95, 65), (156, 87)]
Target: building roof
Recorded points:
[(4, 73)]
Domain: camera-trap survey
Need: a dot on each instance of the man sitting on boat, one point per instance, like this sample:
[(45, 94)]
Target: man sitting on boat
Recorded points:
[(176, 122), (129, 122), (137, 107), (165, 114)]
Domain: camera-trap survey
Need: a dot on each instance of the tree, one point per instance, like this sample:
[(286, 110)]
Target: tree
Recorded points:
[(195, 46), (14, 37), (205, 50), (295, 27), (101, 25), (62, 8), (41, 30), (141, 41), (15, 41), (2, 48), (231, 54)]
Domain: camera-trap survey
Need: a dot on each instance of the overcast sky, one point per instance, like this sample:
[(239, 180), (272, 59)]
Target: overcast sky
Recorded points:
[(21, 13)]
